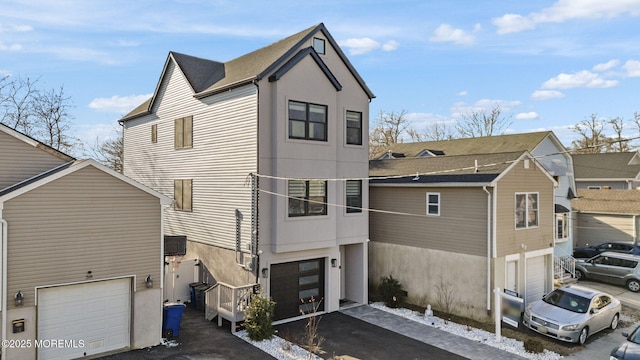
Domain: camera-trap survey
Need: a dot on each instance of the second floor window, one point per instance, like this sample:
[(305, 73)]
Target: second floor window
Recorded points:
[(433, 204), (354, 196), (154, 133), (183, 194), (184, 132), (526, 210), (307, 121), (307, 197), (354, 128)]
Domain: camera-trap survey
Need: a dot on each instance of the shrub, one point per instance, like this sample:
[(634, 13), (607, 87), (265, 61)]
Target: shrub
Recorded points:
[(259, 318), (391, 292), (533, 346)]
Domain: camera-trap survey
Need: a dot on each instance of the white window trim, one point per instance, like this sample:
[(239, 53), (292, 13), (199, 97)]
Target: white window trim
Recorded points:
[(438, 203), (515, 203)]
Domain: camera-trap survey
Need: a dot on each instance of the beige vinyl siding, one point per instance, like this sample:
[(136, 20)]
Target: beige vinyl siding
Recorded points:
[(85, 221), (521, 180), (223, 154), (20, 161), (461, 226), (595, 229)]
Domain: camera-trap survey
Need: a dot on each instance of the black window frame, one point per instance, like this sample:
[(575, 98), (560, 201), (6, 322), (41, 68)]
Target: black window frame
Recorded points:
[(306, 205), (358, 129), (308, 121), (316, 42), (354, 201)]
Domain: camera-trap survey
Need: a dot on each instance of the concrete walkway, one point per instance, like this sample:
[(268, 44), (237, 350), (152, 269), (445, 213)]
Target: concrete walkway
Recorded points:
[(439, 338)]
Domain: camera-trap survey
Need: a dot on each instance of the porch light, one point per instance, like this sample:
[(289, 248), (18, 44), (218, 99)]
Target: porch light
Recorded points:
[(265, 272), (19, 298), (334, 262), (148, 282)]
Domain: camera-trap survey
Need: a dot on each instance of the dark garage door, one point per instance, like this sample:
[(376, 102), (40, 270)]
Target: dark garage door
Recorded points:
[(294, 284)]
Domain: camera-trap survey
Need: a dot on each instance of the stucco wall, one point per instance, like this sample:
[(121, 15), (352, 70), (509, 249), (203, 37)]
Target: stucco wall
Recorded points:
[(421, 271)]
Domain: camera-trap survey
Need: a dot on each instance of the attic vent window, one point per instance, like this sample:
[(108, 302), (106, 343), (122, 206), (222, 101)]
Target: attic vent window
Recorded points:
[(318, 46)]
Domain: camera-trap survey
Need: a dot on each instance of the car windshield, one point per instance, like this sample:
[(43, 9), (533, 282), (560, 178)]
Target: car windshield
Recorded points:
[(635, 336), (568, 301)]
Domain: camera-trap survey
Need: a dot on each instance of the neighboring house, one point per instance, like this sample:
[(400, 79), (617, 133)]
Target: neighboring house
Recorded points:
[(460, 226), (544, 146), (607, 215), (616, 170), (78, 244), (254, 151)]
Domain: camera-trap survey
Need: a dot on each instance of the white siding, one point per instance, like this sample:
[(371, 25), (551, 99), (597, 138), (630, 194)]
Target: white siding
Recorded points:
[(224, 153)]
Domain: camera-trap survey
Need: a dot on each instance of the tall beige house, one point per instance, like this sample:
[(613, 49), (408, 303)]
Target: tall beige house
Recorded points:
[(256, 153)]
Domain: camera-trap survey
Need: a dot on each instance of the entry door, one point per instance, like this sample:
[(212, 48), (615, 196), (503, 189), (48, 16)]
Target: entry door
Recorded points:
[(91, 317), (293, 286)]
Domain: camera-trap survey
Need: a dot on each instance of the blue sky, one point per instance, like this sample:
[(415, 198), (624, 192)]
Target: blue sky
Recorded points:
[(547, 64)]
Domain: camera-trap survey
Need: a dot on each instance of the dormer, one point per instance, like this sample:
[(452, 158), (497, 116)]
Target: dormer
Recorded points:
[(429, 153)]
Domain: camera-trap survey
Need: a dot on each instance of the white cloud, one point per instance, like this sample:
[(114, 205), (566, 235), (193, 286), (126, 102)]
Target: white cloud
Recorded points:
[(390, 45), (483, 105), (446, 33), (118, 104), (581, 79), (632, 67), (15, 28), (527, 116), (546, 95), (12, 47), (463, 93), (606, 66), (563, 10)]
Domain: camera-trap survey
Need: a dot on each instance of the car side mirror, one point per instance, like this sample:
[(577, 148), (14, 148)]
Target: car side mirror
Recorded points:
[(595, 311), (625, 334)]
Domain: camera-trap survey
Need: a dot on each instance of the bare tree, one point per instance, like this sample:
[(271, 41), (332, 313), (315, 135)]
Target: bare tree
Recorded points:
[(17, 98), (483, 123), (433, 132), (387, 131), (52, 120), (592, 139), (109, 152), (619, 143)]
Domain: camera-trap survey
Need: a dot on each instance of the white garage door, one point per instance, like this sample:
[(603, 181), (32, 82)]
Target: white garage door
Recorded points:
[(536, 276), (83, 319)]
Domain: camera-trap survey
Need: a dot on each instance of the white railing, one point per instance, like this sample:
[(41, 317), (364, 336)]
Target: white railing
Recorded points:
[(228, 302), (564, 264)]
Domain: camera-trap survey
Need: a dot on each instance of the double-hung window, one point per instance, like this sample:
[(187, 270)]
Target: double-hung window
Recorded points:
[(354, 128), (183, 194), (354, 196), (307, 121), (307, 197), (433, 204), (526, 210), (183, 132)]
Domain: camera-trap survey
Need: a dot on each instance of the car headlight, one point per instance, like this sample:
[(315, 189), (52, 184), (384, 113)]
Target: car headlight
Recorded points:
[(613, 358), (527, 312), (570, 327)]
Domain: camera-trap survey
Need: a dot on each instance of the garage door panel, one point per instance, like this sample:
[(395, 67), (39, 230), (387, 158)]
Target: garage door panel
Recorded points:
[(97, 314), (536, 278)]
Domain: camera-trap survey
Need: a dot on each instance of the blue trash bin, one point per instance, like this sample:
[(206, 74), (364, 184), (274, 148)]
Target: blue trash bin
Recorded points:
[(172, 317)]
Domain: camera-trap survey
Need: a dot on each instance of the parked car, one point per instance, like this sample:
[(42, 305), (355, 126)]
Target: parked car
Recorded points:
[(630, 349), (613, 268), (572, 313), (591, 251)]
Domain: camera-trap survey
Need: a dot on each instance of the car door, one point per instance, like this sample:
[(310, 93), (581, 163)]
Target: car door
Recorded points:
[(601, 312), (597, 268)]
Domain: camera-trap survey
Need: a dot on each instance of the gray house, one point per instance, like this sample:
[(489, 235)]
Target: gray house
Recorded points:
[(81, 254), (253, 151), (616, 170)]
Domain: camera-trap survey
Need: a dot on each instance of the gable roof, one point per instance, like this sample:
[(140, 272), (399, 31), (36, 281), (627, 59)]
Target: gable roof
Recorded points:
[(35, 143), (607, 201), (68, 168), (618, 165), (479, 145), (208, 77), (478, 168)]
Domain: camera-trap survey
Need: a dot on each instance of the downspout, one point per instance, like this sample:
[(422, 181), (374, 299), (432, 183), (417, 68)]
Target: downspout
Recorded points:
[(255, 189), (488, 249), (3, 239)]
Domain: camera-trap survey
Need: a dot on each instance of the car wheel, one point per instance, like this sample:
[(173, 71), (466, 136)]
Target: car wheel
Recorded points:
[(580, 275), (614, 322), (633, 285), (583, 336)]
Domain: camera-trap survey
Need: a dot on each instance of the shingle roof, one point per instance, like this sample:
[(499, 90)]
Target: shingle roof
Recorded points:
[(479, 145), (607, 201), (208, 77), (617, 165), (453, 168)]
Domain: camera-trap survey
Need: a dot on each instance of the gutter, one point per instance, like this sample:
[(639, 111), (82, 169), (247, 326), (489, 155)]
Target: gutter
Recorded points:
[(3, 238), (488, 249)]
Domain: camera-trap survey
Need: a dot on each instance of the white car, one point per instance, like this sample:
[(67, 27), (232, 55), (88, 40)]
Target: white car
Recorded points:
[(572, 313)]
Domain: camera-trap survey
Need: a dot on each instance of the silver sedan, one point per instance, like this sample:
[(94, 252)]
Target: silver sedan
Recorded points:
[(572, 313)]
